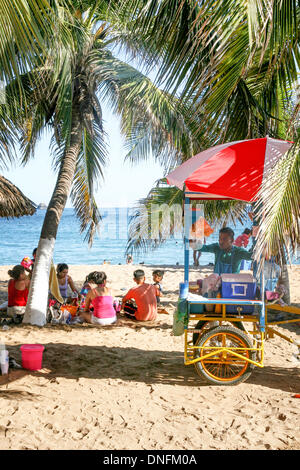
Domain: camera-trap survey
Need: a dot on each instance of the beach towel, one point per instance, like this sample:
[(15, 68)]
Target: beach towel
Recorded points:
[(53, 285)]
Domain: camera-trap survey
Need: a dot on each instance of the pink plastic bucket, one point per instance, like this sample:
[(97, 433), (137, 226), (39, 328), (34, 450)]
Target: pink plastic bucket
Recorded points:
[(32, 356)]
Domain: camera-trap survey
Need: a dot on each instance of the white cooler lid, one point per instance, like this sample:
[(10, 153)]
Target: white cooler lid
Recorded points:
[(238, 277)]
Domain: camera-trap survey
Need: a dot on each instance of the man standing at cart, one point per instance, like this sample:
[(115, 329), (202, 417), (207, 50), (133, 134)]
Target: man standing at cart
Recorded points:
[(228, 258)]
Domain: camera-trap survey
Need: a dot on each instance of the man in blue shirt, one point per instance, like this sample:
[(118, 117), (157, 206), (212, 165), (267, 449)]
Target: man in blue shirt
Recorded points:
[(228, 257)]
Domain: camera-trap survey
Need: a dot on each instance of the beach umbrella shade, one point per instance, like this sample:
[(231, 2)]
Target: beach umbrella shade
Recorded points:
[(13, 203), (234, 170)]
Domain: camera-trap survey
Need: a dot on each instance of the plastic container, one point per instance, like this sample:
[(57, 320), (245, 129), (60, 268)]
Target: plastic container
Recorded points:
[(72, 309), (239, 287), (32, 356), (246, 265), (209, 307), (193, 287), (183, 290)]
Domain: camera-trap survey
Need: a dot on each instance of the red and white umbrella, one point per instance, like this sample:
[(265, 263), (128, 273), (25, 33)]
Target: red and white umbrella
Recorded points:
[(235, 170)]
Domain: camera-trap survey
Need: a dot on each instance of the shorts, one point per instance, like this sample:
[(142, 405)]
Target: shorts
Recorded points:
[(16, 310), (103, 321), (130, 310)]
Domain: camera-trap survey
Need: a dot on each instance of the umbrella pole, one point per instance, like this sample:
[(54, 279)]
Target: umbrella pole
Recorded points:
[(186, 238)]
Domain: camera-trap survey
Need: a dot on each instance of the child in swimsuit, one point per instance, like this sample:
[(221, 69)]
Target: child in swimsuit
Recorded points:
[(157, 276), (87, 286)]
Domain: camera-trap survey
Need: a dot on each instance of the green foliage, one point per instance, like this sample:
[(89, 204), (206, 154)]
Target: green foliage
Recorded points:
[(226, 71), (159, 216), (83, 72)]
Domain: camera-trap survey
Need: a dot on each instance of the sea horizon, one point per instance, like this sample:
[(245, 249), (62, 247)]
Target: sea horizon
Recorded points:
[(19, 236)]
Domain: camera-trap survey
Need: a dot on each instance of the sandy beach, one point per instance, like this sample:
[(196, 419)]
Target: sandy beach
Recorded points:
[(126, 386)]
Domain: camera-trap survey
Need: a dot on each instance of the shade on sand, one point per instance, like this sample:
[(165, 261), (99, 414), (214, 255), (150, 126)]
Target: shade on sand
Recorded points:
[(235, 170), (13, 203)]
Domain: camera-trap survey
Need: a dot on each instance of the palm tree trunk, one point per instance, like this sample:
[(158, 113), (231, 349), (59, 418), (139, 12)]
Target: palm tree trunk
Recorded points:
[(36, 308), (284, 280)]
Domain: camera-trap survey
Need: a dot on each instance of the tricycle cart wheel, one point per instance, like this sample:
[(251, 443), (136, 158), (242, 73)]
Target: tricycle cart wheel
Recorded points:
[(204, 325), (226, 352)]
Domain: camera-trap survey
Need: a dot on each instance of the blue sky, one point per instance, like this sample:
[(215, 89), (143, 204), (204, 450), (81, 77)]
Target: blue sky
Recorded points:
[(123, 184)]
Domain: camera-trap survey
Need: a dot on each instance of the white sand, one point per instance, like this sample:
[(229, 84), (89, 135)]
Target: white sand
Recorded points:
[(126, 387)]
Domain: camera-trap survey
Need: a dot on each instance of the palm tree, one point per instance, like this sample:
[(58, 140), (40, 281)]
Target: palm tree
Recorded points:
[(233, 60), (238, 61), (279, 202), (63, 93)]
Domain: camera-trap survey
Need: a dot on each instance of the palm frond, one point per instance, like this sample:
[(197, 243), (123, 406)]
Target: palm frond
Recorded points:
[(8, 139), (90, 163), (153, 122), (159, 217), (278, 207), (224, 54)]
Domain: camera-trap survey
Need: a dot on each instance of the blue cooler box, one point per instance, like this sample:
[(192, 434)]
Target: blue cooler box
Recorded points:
[(238, 286)]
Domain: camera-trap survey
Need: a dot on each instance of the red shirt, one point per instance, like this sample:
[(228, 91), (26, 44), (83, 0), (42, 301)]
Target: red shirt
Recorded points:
[(145, 299), (16, 297), (242, 240)]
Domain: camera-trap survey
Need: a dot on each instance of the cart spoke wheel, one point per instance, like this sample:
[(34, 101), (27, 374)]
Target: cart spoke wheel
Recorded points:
[(223, 366)]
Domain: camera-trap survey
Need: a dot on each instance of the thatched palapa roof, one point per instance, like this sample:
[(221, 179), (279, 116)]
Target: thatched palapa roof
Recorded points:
[(13, 203)]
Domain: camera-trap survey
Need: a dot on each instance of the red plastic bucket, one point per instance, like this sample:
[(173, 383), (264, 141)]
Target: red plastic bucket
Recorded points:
[(32, 356)]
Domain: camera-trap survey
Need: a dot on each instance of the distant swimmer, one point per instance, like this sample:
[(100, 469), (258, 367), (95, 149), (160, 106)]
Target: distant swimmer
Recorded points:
[(129, 259)]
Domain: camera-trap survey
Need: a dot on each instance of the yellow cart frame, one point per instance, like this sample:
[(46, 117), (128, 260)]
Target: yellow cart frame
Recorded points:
[(239, 351)]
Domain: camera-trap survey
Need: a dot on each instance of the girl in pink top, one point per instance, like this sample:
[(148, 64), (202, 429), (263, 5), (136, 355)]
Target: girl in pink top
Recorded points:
[(101, 300)]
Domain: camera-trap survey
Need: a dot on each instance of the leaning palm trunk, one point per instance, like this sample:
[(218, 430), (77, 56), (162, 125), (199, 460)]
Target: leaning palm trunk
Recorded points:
[(36, 308), (284, 278)]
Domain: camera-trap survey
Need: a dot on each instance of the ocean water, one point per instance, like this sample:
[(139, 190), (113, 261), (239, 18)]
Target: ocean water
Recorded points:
[(18, 237)]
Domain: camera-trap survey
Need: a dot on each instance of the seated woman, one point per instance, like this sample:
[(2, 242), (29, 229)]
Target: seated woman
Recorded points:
[(101, 299), (64, 280), (18, 288)]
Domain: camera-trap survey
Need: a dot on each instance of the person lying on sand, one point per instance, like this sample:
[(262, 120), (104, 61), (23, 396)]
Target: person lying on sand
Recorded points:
[(144, 296), (101, 299)]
